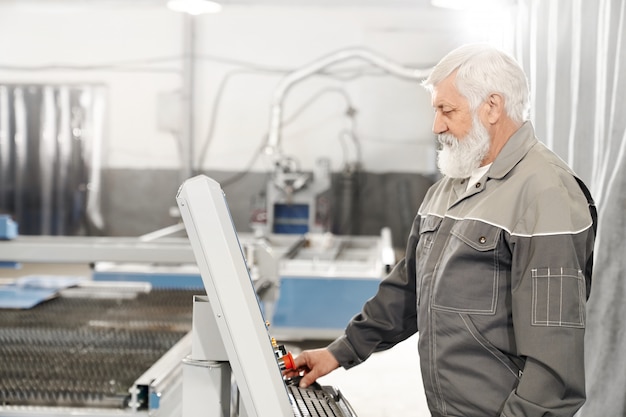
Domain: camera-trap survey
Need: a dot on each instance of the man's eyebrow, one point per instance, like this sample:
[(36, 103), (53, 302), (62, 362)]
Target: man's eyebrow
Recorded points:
[(444, 104)]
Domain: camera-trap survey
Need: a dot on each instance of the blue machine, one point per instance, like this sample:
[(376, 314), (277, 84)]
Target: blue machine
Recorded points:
[(8, 228), (8, 231), (317, 282), (295, 202), (320, 304)]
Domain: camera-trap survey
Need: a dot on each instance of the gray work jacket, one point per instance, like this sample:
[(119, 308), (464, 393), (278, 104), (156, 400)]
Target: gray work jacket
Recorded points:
[(496, 279)]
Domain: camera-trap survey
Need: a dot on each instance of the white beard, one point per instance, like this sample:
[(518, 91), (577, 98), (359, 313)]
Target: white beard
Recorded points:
[(458, 158)]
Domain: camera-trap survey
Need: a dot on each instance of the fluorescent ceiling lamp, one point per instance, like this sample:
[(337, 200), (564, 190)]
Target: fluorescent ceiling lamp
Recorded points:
[(469, 4), (194, 7)]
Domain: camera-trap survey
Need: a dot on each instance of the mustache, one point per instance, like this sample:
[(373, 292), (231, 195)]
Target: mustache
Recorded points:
[(447, 139)]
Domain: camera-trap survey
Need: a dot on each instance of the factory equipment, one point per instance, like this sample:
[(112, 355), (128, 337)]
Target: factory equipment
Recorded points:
[(338, 271), (298, 202), (239, 338), (103, 347), (8, 228), (96, 349), (71, 345), (337, 274), (113, 343)]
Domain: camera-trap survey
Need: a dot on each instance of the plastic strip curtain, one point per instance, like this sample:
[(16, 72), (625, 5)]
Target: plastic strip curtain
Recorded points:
[(574, 52), (4, 142), (50, 140)]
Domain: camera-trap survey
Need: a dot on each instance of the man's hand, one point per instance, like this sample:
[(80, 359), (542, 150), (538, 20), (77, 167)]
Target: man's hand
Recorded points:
[(312, 364)]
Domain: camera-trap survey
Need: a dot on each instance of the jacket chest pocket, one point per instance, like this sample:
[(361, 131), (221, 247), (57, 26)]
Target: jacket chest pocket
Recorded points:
[(467, 274), (428, 228)]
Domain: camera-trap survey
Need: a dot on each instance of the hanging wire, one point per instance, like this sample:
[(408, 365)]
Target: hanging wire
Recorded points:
[(214, 113), (136, 65)]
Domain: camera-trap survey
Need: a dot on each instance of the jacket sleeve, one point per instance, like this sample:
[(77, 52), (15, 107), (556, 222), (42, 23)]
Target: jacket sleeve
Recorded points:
[(551, 275), (387, 318)]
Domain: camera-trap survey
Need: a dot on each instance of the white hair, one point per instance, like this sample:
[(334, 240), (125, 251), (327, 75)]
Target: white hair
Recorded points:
[(483, 70)]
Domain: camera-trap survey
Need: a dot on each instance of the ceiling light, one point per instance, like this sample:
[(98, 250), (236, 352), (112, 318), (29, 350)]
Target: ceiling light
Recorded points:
[(194, 7), (469, 4)]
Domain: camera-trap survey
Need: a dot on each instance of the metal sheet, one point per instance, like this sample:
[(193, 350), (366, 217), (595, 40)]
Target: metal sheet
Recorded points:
[(92, 353)]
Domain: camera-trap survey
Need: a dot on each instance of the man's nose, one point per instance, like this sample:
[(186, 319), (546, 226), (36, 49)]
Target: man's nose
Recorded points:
[(439, 125)]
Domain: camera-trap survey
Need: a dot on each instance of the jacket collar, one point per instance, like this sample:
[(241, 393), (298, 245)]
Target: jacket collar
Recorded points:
[(513, 151)]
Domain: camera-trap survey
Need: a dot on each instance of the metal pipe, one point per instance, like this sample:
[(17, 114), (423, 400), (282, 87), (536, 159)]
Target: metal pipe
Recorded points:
[(317, 66)]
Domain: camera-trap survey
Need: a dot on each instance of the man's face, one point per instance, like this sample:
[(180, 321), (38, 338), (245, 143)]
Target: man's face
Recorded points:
[(463, 137)]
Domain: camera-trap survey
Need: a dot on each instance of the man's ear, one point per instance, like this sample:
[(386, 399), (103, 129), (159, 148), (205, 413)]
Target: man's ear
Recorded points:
[(495, 102)]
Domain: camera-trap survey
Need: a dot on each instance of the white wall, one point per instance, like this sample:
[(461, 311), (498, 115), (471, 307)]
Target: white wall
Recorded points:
[(394, 115), (52, 35)]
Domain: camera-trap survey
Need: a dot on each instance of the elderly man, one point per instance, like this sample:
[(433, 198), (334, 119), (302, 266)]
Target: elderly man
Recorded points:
[(498, 263)]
